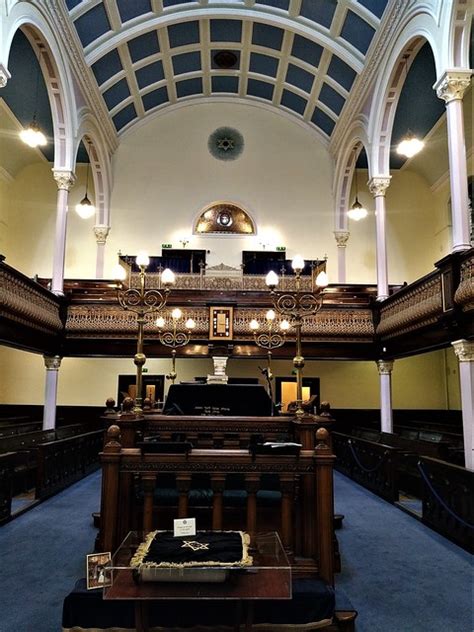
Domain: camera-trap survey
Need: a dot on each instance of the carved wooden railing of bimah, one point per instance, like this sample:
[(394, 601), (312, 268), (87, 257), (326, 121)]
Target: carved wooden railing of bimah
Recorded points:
[(304, 518), (29, 314)]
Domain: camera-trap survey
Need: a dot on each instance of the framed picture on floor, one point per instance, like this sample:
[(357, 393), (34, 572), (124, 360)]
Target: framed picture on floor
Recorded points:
[(96, 570)]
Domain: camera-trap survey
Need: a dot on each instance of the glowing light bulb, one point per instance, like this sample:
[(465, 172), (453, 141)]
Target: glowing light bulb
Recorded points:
[(284, 325), (410, 146), (322, 279), (254, 324), (298, 263), (176, 313), (160, 322), (270, 315), (167, 277), (190, 324), (33, 136), (85, 208), (142, 259), (271, 279), (119, 272)]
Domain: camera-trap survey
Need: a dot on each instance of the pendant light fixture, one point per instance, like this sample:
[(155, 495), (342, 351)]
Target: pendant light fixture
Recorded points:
[(357, 211), (32, 135), (410, 145), (85, 208)]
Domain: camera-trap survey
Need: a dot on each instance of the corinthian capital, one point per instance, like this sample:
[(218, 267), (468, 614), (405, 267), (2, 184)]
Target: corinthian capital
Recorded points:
[(101, 232), (379, 184), (52, 363), (4, 76), (385, 367), (464, 349), (452, 85), (64, 179), (342, 237)]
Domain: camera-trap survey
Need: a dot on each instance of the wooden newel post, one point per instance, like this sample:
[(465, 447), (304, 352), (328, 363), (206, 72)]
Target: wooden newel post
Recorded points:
[(323, 471), (110, 459)]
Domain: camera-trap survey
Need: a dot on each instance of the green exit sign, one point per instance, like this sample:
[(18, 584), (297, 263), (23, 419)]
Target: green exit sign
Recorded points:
[(144, 370), (164, 246), (281, 248)]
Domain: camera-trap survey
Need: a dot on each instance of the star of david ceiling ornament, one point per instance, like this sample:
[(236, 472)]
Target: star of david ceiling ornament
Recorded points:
[(226, 143)]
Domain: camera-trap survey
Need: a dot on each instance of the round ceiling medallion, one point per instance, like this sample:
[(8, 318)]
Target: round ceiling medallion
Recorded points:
[(226, 143), (225, 59)]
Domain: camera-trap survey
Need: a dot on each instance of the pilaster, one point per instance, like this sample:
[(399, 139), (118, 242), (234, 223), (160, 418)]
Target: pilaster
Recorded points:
[(52, 364), (385, 368), (378, 185), (101, 232), (464, 350), (65, 179), (341, 237)]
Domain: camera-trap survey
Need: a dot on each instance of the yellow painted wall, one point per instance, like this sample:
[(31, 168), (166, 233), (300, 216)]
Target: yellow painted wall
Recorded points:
[(4, 215), (418, 382)]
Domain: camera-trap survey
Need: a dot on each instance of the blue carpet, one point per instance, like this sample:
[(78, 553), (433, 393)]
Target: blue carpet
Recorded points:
[(400, 575), (35, 583)]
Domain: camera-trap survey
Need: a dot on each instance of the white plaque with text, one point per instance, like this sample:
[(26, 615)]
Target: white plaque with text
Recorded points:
[(184, 526)]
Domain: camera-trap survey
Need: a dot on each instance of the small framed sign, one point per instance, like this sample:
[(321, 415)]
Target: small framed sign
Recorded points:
[(97, 575), (221, 323)]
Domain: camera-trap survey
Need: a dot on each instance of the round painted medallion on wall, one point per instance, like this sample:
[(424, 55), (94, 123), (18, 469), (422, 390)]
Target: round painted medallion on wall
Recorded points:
[(226, 143)]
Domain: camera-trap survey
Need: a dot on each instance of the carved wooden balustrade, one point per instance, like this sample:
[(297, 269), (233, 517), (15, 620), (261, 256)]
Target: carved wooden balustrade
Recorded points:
[(304, 518)]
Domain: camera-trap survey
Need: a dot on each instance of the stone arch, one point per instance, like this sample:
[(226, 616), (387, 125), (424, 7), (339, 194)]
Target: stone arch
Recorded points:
[(456, 40), (344, 174), (56, 76), (101, 168)]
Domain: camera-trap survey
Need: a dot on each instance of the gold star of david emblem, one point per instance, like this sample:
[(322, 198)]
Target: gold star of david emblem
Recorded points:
[(194, 546)]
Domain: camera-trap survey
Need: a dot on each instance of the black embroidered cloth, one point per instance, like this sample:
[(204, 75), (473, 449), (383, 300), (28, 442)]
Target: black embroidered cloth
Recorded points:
[(212, 548)]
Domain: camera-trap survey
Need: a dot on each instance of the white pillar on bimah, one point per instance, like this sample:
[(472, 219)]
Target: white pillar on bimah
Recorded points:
[(464, 349), (451, 88), (219, 376), (65, 180), (378, 186), (342, 237), (52, 364), (385, 368), (101, 232)]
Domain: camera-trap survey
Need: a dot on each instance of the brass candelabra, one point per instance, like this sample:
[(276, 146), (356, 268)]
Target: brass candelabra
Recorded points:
[(296, 306), (175, 338), (143, 302)]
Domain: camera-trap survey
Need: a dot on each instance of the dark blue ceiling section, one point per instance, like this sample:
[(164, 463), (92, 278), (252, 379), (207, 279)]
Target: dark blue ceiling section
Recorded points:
[(143, 46), (155, 98), (263, 64), (293, 102), (223, 83), (357, 32), (261, 89), (341, 72), (72, 3), (277, 4), (172, 3), (116, 94), (150, 74), (186, 62), (125, 116), (226, 30), (188, 87), (129, 10), (183, 34), (323, 121), (107, 66), (92, 24), (377, 7), (331, 98), (418, 108), (300, 78), (236, 66), (319, 11), (25, 103), (306, 50), (268, 36)]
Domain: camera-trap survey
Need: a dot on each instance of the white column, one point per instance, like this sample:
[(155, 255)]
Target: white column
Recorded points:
[(378, 185), (52, 364), (101, 232), (464, 349), (451, 88), (4, 76), (64, 180), (386, 415), (342, 237)]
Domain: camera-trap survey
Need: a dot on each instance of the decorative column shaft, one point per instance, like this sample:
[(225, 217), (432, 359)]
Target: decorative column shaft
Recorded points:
[(451, 88), (464, 349), (4, 76), (101, 232), (342, 237), (64, 180), (378, 185), (52, 364), (385, 368)]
